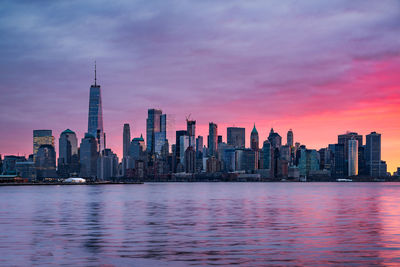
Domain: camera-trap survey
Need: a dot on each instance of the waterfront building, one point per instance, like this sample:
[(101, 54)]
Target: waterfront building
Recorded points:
[(308, 161), (41, 137), (107, 165), (254, 144), (383, 169), (246, 159), (45, 162), (228, 159), (213, 165), (212, 139), (26, 169), (68, 159), (338, 168), (373, 153), (236, 137), (290, 139), (9, 164), (352, 157), (95, 116), (344, 139), (88, 156)]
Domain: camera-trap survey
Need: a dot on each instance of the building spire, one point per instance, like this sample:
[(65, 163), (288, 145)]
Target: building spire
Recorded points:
[(95, 75)]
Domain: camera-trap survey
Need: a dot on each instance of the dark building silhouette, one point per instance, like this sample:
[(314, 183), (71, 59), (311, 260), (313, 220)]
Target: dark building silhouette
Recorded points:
[(373, 153), (254, 143), (212, 139), (88, 156), (45, 162), (236, 137)]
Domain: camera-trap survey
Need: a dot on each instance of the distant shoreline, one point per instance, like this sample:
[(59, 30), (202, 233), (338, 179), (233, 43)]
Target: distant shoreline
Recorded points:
[(94, 183), (124, 183)]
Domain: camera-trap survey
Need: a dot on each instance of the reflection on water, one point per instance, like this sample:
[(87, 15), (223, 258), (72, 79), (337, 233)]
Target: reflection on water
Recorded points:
[(181, 224)]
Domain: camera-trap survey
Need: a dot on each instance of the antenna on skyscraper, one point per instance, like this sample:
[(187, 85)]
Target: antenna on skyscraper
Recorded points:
[(95, 77)]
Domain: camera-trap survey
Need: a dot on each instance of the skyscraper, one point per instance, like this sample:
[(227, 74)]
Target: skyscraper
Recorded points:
[(156, 130), (126, 140), (236, 137), (344, 139), (352, 157), (275, 139), (95, 118), (290, 138), (254, 145), (88, 156), (191, 132), (373, 153), (178, 154), (46, 162), (41, 137), (68, 160), (212, 139)]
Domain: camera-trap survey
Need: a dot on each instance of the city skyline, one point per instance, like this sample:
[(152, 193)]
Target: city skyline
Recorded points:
[(224, 75)]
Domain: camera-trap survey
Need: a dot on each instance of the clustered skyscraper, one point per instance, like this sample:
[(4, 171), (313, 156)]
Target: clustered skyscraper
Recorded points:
[(189, 159)]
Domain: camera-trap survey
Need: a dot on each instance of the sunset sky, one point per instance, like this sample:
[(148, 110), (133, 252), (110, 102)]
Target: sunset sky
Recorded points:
[(319, 67)]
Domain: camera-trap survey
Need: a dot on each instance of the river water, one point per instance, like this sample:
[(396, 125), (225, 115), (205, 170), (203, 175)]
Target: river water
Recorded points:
[(180, 224)]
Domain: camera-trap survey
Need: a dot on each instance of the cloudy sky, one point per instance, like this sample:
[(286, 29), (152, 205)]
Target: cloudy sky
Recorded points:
[(318, 67)]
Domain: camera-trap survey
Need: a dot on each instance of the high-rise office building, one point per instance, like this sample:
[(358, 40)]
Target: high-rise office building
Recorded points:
[(156, 131), (338, 162), (45, 162), (373, 153), (275, 139), (266, 156), (236, 137), (126, 139), (344, 139), (191, 132), (88, 156), (95, 117), (178, 154), (68, 159), (41, 137), (183, 145), (254, 145), (290, 138), (212, 139), (352, 157), (107, 165), (9, 164), (199, 144), (126, 143), (190, 160)]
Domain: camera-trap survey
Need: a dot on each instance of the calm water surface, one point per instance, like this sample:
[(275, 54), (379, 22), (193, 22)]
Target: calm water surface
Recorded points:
[(180, 224)]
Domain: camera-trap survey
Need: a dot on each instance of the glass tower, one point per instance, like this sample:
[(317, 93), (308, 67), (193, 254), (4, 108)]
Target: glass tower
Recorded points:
[(95, 121)]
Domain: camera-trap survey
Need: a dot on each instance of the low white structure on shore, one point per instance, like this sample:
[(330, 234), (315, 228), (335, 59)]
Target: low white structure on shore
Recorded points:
[(75, 180)]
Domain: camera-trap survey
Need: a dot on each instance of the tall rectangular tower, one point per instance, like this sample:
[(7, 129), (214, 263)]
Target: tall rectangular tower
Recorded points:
[(95, 120)]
